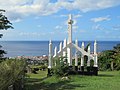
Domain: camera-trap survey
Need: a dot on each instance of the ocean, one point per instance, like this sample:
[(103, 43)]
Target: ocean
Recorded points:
[(39, 48)]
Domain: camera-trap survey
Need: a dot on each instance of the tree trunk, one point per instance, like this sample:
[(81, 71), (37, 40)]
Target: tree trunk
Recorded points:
[(112, 68)]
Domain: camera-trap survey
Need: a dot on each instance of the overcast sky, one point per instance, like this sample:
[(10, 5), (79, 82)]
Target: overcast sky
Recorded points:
[(47, 19)]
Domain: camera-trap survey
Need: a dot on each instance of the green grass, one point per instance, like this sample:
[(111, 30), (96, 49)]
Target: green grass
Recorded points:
[(109, 80)]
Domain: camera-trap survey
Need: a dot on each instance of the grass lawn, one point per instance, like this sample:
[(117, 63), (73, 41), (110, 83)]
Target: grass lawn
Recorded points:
[(109, 80)]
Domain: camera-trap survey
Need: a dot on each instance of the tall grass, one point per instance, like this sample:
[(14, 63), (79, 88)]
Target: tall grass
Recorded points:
[(11, 72)]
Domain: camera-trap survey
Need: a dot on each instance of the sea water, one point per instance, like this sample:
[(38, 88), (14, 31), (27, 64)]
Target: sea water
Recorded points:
[(39, 48)]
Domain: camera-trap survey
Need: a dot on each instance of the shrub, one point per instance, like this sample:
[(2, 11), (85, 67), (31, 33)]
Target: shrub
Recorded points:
[(61, 68), (11, 72)]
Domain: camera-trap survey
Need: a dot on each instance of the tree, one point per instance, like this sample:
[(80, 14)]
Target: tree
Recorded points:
[(110, 59), (4, 22), (116, 49), (4, 25), (2, 52), (106, 60)]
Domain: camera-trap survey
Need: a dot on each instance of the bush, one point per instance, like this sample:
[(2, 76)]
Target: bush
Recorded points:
[(110, 59), (61, 68), (11, 72)]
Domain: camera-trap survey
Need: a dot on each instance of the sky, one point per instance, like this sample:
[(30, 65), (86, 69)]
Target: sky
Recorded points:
[(42, 20)]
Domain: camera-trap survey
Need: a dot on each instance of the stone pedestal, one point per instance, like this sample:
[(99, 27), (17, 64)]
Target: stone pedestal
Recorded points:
[(76, 68), (71, 68), (95, 71), (88, 68), (49, 72), (82, 68)]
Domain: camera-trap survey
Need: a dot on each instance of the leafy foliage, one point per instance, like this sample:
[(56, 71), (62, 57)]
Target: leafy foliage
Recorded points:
[(117, 56), (110, 59), (4, 25), (4, 22), (11, 72), (86, 48), (61, 68), (2, 52)]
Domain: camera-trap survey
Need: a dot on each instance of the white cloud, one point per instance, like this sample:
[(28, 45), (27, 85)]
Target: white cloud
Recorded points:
[(66, 15), (116, 27), (23, 35), (89, 5), (21, 8), (17, 9), (58, 27), (98, 27), (77, 16), (32, 34), (12, 33), (63, 15), (100, 19)]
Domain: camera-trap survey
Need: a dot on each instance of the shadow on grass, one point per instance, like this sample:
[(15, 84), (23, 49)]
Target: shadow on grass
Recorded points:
[(105, 75), (39, 84), (34, 80)]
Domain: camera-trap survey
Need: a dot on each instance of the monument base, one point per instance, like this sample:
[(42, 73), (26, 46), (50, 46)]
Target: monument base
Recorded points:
[(95, 71), (72, 71), (82, 68), (76, 68), (88, 69), (49, 72)]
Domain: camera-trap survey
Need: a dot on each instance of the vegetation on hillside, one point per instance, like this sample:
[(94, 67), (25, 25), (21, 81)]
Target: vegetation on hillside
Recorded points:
[(110, 59)]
